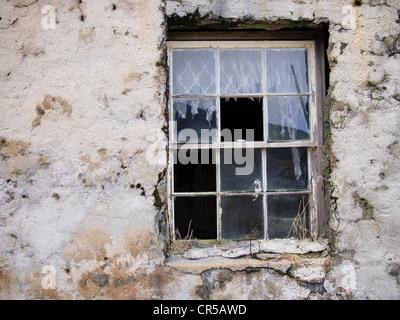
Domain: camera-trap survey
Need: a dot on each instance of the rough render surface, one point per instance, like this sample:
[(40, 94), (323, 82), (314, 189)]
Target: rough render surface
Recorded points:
[(83, 111)]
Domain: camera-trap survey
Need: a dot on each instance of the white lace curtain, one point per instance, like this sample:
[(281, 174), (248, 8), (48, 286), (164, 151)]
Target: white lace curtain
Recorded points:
[(195, 104), (194, 71), (240, 71), (287, 71)]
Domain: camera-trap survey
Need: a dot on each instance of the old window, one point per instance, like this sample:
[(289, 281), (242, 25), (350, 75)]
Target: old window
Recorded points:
[(244, 139)]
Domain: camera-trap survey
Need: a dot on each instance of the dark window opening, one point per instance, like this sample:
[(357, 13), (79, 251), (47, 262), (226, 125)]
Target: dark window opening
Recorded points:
[(242, 114), (288, 216), (199, 116), (287, 169), (242, 217), (196, 217), (197, 175)]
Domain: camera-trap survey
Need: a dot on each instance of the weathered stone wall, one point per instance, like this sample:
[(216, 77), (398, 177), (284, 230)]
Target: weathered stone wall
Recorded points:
[(83, 155)]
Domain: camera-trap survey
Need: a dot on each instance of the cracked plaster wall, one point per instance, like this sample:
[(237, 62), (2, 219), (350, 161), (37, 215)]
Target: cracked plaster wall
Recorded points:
[(83, 111)]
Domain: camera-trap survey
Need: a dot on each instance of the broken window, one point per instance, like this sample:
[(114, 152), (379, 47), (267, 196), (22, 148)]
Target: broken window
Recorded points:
[(244, 139)]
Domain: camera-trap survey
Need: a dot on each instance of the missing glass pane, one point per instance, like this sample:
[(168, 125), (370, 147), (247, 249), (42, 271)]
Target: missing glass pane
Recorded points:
[(287, 169), (242, 218), (288, 118), (195, 217), (241, 114), (195, 120), (240, 168), (194, 170), (287, 71), (288, 216)]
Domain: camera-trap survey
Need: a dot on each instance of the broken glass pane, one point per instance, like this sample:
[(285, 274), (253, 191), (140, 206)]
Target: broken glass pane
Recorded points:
[(287, 71), (242, 218), (195, 217), (287, 169), (194, 170), (193, 72), (240, 114), (240, 168), (240, 71), (195, 120), (288, 216), (288, 118)]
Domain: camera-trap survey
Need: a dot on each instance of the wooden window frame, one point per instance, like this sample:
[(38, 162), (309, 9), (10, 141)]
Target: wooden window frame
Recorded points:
[(313, 42)]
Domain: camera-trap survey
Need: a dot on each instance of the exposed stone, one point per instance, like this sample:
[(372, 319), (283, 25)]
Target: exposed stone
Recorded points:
[(273, 246), (310, 270), (262, 285), (195, 254), (240, 264), (293, 246)]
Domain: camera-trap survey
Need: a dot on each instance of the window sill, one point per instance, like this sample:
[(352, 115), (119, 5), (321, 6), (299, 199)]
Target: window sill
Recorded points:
[(279, 255)]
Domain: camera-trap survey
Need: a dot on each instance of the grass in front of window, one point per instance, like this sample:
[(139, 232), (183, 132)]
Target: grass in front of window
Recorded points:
[(181, 245), (299, 228)]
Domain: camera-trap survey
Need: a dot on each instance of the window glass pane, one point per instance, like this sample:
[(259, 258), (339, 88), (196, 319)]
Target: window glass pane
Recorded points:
[(287, 71), (195, 217), (193, 72), (195, 120), (287, 169), (288, 118), (194, 170), (240, 169), (288, 216), (242, 217), (240, 114), (240, 71)]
